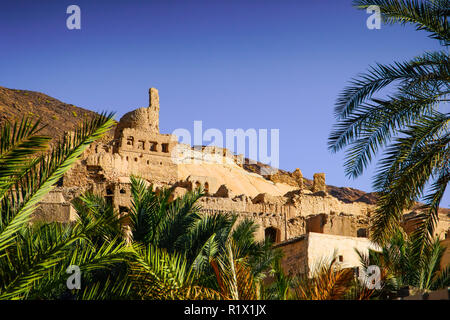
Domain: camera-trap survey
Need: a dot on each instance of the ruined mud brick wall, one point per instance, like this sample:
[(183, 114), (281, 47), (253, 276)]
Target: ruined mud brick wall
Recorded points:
[(446, 256), (442, 229), (145, 119), (305, 253), (266, 215), (295, 255), (294, 179), (319, 183), (135, 148), (344, 225), (184, 153), (55, 208), (291, 219), (146, 155)]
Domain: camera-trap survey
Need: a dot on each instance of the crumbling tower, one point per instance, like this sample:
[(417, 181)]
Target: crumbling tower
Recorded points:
[(140, 149), (142, 119), (153, 109), (319, 183)]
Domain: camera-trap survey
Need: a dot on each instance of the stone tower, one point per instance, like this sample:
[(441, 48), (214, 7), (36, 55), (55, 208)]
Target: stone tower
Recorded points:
[(153, 108), (142, 119)]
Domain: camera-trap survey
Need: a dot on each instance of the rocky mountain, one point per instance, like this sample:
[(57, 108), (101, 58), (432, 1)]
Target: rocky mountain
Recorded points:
[(56, 116)]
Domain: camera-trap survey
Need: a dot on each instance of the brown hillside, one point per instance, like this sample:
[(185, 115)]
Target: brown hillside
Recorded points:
[(56, 115)]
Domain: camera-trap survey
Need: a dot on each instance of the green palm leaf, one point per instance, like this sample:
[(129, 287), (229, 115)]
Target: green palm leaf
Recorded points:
[(425, 15), (44, 174)]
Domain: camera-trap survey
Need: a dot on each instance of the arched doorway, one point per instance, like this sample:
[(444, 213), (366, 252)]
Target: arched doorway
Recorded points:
[(272, 234)]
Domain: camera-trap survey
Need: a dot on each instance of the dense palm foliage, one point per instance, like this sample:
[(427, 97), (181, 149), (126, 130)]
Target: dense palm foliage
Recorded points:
[(182, 254), (34, 259), (326, 280), (403, 265), (171, 252), (410, 124), (167, 249), (330, 282), (163, 248), (280, 286)]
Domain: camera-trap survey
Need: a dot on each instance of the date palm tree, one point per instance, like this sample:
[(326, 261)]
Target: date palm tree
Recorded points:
[(280, 288), (329, 281), (403, 266), (180, 253), (177, 253), (409, 126), (220, 251), (34, 258)]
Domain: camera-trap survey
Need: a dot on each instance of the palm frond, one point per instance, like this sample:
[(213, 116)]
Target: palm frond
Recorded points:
[(430, 16), (404, 172), (159, 275), (20, 202), (327, 282), (19, 142)]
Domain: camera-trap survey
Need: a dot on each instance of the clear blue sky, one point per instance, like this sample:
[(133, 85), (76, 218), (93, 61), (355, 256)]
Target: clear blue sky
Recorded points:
[(230, 63)]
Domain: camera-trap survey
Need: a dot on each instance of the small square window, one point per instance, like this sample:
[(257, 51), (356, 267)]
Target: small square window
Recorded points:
[(130, 141), (153, 145)]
